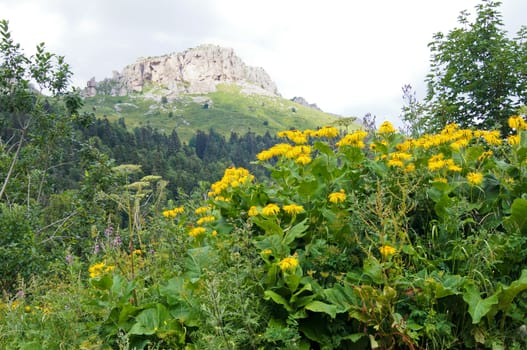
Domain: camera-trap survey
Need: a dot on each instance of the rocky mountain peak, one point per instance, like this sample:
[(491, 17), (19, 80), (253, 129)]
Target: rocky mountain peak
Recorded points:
[(193, 71)]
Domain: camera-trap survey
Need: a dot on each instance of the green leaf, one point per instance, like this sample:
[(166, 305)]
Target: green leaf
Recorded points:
[(172, 290), (105, 282), (477, 306), (508, 293), (519, 213), (318, 306), (373, 269), (297, 231), (341, 296), (450, 285), (270, 226), (149, 321), (277, 298)]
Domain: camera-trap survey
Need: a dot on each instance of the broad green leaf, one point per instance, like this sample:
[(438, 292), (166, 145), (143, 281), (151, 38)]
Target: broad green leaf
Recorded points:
[(277, 298), (318, 306), (519, 213), (270, 226), (172, 290), (297, 231), (508, 293), (196, 260), (149, 321), (450, 285), (373, 269), (341, 296), (104, 282), (477, 306)]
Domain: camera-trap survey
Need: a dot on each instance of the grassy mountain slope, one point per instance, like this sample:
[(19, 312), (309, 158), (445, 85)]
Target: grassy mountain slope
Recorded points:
[(225, 110)]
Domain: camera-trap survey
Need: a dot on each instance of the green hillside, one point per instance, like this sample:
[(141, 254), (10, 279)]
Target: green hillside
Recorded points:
[(225, 110)]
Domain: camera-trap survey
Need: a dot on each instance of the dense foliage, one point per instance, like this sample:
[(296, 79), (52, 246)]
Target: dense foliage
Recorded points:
[(477, 76), (353, 239)]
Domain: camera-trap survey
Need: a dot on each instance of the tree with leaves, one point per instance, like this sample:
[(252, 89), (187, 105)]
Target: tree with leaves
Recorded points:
[(478, 73), (37, 118)]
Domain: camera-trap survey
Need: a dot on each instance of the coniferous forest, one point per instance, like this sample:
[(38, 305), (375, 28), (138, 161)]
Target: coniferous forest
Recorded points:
[(336, 237)]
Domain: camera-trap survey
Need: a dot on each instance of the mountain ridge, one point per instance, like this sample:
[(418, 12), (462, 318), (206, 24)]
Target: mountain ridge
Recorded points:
[(193, 71)]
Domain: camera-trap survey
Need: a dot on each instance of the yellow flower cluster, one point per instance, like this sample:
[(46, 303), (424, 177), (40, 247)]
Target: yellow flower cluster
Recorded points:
[(205, 220), (301, 153), (328, 132), (387, 128), (387, 250), (232, 177), (96, 270), (288, 264), (437, 162), (295, 136), (355, 139), (172, 213), (202, 210), (337, 197), (517, 123), (196, 231), (397, 159)]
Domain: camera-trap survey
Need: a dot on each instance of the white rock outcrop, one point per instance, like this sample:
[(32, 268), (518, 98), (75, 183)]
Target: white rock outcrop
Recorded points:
[(194, 71)]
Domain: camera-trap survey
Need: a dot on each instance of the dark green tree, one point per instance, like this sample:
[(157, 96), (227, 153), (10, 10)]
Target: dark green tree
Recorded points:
[(478, 75)]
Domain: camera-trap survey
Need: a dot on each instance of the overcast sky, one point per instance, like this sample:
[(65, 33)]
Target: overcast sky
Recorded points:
[(350, 57)]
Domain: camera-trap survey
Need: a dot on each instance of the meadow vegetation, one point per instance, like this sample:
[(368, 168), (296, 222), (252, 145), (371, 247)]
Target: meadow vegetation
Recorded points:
[(331, 238)]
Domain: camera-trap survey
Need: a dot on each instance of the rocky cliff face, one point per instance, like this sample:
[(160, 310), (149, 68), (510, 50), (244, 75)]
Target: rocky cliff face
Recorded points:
[(194, 71)]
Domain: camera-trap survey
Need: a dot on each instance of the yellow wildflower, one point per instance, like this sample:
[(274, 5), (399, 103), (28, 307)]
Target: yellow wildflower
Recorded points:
[(485, 155), (293, 209), (327, 132), (288, 264), (440, 179), (270, 210), (214, 233), (96, 270), (513, 140), (396, 163), (205, 219), (386, 128), (517, 122), (201, 210), (354, 139), (137, 252), (265, 155), (337, 197), (491, 137), (459, 144), (303, 159), (410, 168), (296, 136), (267, 252), (387, 250), (253, 211), (474, 178), (196, 231)]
